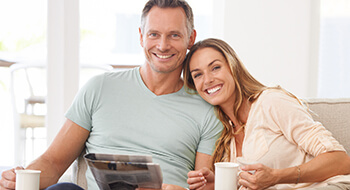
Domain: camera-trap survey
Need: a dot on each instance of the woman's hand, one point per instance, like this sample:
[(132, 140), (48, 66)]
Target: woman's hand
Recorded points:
[(262, 178), (200, 179)]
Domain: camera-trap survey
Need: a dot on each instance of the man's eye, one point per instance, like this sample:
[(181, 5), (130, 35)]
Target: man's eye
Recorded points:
[(176, 36), (152, 35)]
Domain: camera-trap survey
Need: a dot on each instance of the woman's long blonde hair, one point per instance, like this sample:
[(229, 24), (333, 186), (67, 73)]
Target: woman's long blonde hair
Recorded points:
[(246, 88)]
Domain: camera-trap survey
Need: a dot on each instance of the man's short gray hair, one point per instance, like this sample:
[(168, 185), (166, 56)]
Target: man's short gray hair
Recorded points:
[(169, 4)]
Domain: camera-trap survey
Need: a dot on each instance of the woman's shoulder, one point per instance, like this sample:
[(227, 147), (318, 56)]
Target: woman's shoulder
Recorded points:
[(272, 94), (276, 97)]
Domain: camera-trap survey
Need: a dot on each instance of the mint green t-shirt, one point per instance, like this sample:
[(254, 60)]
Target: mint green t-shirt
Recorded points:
[(125, 117)]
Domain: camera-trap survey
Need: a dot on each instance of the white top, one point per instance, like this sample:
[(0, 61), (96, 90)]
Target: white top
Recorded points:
[(280, 133)]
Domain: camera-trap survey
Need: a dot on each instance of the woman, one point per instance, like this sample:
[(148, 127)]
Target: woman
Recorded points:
[(264, 125)]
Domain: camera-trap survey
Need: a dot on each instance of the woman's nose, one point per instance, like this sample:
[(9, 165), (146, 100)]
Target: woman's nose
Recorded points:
[(208, 78)]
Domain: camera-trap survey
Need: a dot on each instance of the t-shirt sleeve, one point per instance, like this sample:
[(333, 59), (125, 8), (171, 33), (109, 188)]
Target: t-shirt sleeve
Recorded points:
[(210, 133), (297, 125), (82, 108)]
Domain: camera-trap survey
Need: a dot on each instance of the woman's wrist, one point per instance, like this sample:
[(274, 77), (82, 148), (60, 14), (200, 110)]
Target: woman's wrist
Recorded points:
[(287, 175), (298, 173)]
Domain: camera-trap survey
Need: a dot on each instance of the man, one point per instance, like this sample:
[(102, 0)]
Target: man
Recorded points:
[(140, 111)]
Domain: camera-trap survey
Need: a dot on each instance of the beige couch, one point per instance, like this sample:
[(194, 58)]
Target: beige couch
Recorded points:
[(333, 113)]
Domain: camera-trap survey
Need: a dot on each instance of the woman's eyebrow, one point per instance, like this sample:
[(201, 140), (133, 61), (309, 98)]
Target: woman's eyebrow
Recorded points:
[(208, 65), (194, 70)]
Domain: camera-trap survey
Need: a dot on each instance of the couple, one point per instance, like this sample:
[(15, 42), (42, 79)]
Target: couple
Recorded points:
[(147, 111)]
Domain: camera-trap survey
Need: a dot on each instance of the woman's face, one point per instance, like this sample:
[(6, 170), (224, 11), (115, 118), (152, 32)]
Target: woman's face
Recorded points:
[(212, 77)]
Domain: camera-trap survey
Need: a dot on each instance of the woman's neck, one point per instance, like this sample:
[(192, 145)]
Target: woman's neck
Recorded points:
[(243, 113)]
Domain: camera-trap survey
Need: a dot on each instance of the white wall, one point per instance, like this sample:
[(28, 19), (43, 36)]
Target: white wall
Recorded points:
[(276, 40)]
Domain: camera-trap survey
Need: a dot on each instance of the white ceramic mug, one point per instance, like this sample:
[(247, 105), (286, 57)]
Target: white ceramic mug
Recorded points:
[(27, 179), (226, 175)]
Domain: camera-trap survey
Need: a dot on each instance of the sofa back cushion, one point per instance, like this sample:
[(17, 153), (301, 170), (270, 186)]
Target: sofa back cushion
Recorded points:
[(334, 114)]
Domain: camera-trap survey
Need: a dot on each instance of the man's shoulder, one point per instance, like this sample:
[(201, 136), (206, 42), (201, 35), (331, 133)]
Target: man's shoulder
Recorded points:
[(193, 96), (116, 77), (111, 79), (194, 102), (122, 74)]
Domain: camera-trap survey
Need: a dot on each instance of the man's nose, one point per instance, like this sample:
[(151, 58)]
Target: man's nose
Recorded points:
[(163, 44)]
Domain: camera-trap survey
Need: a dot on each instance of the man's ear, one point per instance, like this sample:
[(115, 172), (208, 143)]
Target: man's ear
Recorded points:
[(192, 39), (141, 37)]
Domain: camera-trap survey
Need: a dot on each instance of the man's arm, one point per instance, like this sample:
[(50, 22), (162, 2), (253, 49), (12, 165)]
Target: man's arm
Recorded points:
[(65, 148), (202, 160)]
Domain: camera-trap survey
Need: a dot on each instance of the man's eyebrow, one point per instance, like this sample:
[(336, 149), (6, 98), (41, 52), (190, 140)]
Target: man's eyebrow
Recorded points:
[(152, 31), (208, 65), (175, 32)]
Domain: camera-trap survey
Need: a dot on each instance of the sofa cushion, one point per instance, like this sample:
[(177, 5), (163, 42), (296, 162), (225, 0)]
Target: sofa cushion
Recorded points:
[(334, 114)]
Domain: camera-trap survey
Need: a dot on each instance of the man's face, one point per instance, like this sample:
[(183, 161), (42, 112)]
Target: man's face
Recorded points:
[(165, 39)]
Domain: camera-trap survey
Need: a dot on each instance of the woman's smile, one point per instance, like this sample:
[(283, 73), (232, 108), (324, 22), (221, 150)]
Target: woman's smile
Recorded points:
[(213, 90)]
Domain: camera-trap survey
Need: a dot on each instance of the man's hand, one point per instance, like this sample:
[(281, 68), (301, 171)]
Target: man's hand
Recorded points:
[(201, 178), (8, 179)]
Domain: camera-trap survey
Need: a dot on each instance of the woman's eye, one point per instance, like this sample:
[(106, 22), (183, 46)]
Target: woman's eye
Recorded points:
[(196, 75), (216, 67)]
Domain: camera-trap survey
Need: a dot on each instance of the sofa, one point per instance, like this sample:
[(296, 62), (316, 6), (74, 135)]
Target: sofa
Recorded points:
[(334, 114)]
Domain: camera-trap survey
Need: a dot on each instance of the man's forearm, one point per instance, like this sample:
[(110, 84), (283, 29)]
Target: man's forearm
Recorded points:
[(49, 171)]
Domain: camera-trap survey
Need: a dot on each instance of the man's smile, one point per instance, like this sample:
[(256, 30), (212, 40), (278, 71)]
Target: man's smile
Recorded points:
[(163, 56)]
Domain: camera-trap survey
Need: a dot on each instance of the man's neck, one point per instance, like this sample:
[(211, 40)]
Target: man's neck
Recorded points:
[(161, 83)]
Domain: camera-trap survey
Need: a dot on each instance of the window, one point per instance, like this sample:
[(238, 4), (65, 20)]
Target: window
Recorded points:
[(109, 29), (22, 38), (334, 62), (23, 29)]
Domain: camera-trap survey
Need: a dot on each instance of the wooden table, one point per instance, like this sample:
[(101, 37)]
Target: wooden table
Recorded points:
[(4, 63), (124, 66)]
